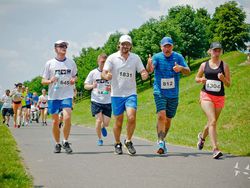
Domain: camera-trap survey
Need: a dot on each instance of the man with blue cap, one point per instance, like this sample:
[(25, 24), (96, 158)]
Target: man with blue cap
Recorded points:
[(167, 66)]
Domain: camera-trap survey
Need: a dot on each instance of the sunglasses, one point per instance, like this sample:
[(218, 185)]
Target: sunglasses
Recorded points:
[(62, 46)]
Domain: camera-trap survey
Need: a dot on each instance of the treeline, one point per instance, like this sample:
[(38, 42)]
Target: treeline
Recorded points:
[(191, 29)]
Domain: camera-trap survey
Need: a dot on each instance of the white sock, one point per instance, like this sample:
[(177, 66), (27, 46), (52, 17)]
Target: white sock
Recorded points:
[(65, 141)]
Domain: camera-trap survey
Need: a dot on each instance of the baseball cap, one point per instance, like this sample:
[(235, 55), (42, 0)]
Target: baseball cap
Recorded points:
[(215, 45), (125, 38), (166, 40), (61, 42)]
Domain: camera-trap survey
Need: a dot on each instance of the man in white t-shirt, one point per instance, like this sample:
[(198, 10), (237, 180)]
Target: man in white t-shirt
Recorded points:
[(121, 68), (7, 107), (60, 74), (100, 98)]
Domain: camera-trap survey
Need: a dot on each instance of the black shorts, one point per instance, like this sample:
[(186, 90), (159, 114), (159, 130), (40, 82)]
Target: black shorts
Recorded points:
[(96, 108), (28, 106), (7, 112)]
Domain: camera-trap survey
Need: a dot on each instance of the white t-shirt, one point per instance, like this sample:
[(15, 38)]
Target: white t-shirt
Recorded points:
[(100, 94), (7, 101), (123, 71), (43, 101), (65, 70)]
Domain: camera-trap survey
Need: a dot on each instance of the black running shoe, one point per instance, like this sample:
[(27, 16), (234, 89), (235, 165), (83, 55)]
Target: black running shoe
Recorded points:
[(130, 148), (118, 149), (67, 147), (57, 148), (217, 154)]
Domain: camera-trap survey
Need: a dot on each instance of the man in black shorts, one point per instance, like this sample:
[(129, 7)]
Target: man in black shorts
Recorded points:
[(100, 98), (7, 110)]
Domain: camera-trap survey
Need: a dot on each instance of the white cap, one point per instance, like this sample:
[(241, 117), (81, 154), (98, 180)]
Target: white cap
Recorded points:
[(60, 42), (125, 38)]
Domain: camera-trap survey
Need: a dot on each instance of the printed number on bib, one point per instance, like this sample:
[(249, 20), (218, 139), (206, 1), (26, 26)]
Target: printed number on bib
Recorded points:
[(64, 81), (167, 83), (213, 85), (125, 75), (103, 86)]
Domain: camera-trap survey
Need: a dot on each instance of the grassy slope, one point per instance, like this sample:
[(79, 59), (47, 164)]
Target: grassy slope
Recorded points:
[(233, 125), (12, 171)]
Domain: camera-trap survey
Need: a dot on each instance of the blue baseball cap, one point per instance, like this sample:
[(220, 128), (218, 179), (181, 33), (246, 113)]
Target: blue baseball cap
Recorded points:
[(166, 40)]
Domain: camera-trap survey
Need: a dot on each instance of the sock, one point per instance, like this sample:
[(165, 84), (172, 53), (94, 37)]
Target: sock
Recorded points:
[(65, 141), (128, 141)]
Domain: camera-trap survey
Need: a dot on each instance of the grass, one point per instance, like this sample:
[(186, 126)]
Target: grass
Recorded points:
[(12, 171), (233, 125)]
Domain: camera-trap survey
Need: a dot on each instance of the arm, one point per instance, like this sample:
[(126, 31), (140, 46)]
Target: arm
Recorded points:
[(225, 78), (90, 86), (199, 76)]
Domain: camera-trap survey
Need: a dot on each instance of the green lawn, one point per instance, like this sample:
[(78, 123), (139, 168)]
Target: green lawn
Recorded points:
[(12, 171), (233, 125)]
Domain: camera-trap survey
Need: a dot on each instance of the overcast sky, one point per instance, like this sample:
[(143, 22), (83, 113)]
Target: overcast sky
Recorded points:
[(29, 28)]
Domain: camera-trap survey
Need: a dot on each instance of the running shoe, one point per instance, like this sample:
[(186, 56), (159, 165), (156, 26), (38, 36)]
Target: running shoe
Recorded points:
[(118, 149), (100, 142), (7, 124), (57, 148), (15, 126), (104, 132), (18, 126), (45, 123), (3, 121), (201, 141), (162, 149), (23, 123), (130, 148), (66, 147), (26, 124), (217, 154)]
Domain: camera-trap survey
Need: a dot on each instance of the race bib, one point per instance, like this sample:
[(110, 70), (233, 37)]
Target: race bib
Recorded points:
[(64, 81), (213, 85), (167, 83), (103, 86), (125, 75)]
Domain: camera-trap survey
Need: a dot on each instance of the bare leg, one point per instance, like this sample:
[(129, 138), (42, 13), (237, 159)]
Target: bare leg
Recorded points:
[(98, 124), (162, 126), (131, 122), (55, 129), (67, 122), (118, 127)]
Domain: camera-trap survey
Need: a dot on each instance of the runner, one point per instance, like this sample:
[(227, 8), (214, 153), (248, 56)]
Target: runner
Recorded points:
[(167, 66), (35, 98), (16, 95), (43, 106), (213, 74), (24, 107), (60, 74), (121, 68), (100, 98), (28, 104), (7, 110)]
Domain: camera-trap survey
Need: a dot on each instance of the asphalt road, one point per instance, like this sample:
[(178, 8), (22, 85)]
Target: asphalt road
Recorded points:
[(93, 166)]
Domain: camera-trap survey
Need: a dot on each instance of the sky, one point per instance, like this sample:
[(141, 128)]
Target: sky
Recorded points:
[(29, 28)]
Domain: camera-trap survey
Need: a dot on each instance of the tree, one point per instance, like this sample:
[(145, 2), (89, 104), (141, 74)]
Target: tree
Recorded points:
[(229, 27)]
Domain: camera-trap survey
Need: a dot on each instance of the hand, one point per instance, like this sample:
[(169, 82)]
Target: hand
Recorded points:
[(203, 80), (53, 79), (109, 76), (108, 88), (221, 77), (72, 81), (177, 68), (144, 75), (94, 84), (149, 64)]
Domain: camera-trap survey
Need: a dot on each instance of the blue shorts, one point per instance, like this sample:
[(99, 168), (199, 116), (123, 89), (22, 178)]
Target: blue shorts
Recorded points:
[(119, 104), (168, 104), (54, 106)]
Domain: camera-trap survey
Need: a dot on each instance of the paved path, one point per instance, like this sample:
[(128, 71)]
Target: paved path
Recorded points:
[(91, 166)]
